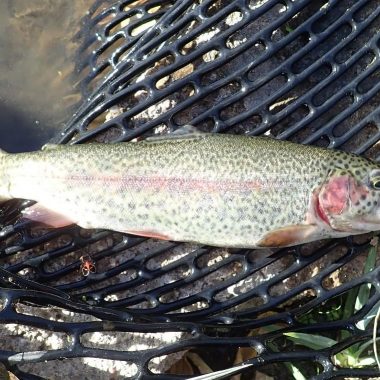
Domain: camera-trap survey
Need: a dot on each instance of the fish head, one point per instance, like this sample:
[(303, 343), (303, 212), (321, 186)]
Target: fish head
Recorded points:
[(349, 199)]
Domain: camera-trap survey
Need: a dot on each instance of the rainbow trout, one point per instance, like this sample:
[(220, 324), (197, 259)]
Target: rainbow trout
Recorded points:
[(220, 190)]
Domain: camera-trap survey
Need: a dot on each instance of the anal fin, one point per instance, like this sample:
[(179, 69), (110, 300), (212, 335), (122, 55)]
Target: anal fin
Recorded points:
[(46, 216)]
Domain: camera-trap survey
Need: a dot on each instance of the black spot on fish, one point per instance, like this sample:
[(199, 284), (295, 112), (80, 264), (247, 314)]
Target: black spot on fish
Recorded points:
[(369, 203), (363, 197)]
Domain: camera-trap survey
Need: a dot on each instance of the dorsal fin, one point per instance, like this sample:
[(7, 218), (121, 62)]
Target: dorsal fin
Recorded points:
[(186, 131)]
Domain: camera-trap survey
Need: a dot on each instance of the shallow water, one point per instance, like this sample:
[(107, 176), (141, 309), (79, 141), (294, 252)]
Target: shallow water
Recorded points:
[(36, 60)]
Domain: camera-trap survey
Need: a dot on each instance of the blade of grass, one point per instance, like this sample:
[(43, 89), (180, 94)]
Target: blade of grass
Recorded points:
[(364, 291), (362, 324), (221, 374), (363, 294), (349, 305), (297, 374), (374, 338), (315, 342)]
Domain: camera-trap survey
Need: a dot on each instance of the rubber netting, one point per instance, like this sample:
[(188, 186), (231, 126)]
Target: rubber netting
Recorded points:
[(302, 70)]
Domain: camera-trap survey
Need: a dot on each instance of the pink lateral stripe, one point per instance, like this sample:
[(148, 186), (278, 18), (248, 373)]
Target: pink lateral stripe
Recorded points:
[(181, 184)]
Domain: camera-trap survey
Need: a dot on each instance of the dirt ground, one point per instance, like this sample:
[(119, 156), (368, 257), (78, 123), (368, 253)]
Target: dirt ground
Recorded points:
[(36, 61)]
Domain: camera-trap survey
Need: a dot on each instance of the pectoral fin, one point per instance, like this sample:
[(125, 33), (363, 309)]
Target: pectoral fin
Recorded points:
[(46, 216), (290, 235)]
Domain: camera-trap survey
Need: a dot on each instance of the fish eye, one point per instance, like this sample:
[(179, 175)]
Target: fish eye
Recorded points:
[(375, 182)]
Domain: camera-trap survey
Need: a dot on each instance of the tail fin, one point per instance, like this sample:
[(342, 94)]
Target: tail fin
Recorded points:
[(3, 196)]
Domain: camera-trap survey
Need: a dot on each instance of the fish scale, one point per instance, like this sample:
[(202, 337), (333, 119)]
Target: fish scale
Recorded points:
[(221, 190)]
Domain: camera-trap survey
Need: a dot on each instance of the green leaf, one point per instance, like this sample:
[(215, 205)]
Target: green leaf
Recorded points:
[(350, 357), (288, 29), (349, 305), (346, 358), (366, 362), (363, 294), (315, 342), (297, 374), (362, 324), (364, 346)]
